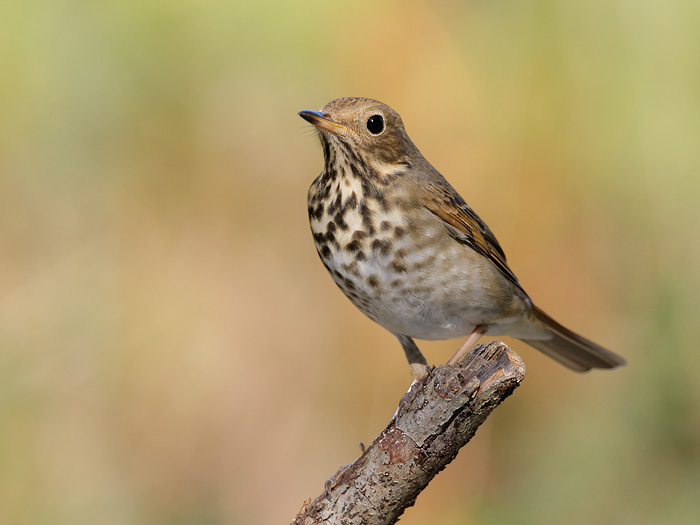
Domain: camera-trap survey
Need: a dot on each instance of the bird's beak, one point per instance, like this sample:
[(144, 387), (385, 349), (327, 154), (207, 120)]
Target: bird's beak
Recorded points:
[(321, 120)]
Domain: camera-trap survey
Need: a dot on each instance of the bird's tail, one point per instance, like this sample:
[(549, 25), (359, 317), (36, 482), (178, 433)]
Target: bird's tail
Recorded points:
[(570, 349)]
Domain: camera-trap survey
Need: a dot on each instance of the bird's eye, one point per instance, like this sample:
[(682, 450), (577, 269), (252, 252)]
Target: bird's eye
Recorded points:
[(375, 124)]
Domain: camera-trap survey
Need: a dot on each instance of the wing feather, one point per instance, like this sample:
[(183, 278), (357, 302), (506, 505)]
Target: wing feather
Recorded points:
[(465, 226)]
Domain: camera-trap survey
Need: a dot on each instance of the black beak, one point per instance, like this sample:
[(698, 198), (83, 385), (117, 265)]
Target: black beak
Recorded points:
[(313, 116), (323, 121)]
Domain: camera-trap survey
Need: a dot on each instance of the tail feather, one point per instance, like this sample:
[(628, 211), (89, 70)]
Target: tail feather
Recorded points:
[(571, 349)]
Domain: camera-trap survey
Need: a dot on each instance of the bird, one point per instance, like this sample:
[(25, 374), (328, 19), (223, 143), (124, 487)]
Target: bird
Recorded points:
[(408, 251)]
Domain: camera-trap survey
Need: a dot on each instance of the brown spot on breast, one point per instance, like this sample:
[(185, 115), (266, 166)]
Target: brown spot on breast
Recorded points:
[(325, 240), (356, 171), (362, 303), (347, 283), (351, 269), (364, 209), (399, 232), (328, 237), (359, 235), (351, 295), (368, 225), (316, 212), (335, 204), (397, 267), (338, 218), (373, 281), (353, 246), (385, 226), (352, 201), (383, 246)]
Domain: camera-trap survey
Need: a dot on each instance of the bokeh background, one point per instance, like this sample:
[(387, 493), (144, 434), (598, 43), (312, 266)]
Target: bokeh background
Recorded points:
[(171, 349)]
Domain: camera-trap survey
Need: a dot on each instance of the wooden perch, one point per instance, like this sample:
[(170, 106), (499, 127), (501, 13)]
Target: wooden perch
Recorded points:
[(435, 418)]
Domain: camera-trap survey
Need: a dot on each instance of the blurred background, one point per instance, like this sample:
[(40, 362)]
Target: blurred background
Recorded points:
[(172, 350)]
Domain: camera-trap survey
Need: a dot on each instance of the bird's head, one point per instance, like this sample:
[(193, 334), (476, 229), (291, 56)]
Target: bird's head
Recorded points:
[(365, 131)]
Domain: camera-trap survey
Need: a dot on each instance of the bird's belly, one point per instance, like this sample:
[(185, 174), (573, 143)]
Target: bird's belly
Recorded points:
[(411, 287)]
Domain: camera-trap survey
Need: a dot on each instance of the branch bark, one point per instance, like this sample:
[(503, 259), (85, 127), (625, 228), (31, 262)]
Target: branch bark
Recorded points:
[(435, 418)]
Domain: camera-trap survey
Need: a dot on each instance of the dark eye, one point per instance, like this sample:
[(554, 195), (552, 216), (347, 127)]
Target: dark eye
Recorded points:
[(375, 124)]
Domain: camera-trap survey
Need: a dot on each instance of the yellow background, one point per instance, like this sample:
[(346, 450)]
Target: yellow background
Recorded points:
[(172, 350)]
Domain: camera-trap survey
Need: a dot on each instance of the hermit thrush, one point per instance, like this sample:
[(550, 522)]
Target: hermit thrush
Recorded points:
[(406, 249)]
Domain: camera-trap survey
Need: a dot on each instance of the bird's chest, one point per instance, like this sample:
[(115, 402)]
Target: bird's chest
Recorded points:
[(386, 264), (360, 238)]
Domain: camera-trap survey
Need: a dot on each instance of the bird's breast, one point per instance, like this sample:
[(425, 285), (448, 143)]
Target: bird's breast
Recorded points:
[(405, 273)]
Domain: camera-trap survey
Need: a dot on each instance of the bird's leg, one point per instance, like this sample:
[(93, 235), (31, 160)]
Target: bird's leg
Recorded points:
[(478, 331), (416, 360)]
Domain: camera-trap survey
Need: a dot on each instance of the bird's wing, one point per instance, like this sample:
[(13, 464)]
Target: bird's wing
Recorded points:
[(464, 225)]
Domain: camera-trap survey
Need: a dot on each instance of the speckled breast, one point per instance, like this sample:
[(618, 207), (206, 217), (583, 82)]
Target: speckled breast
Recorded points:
[(391, 272)]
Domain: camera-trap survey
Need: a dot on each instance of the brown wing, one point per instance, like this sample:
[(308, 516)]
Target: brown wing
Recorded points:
[(464, 225)]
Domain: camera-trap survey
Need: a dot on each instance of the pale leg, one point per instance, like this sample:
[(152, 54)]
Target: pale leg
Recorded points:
[(478, 331), (416, 360)]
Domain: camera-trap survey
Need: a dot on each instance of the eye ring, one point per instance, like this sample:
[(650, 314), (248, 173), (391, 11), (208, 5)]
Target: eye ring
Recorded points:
[(375, 124)]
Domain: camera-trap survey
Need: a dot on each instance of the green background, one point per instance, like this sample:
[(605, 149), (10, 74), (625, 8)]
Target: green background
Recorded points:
[(171, 349)]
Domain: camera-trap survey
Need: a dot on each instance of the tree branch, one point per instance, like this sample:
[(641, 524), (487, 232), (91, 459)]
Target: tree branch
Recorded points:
[(435, 418)]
